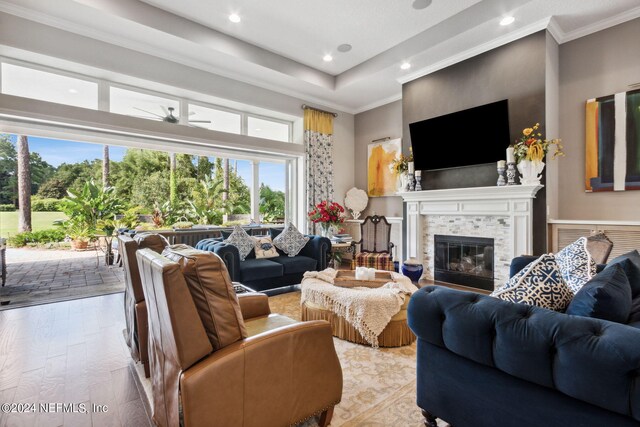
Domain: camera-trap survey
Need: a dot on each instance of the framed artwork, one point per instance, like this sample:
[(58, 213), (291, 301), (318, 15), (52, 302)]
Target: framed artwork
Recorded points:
[(612, 142), (381, 181)]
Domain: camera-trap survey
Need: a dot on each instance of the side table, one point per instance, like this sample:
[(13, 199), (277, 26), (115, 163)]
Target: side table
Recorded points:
[(342, 248)]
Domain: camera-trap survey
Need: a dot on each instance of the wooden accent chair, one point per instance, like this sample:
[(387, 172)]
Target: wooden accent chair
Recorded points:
[(599, 247), (218, 359), (375, 244)]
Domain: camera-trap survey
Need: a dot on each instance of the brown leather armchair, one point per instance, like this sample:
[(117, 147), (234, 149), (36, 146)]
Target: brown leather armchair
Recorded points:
[(230, 362), (135, 308)]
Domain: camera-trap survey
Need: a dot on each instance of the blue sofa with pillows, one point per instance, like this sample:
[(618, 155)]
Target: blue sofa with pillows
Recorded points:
[(262, 274), (483, 361)]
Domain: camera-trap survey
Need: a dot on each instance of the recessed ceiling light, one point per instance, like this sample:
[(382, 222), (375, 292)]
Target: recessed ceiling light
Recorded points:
[(234, 17), (327, 58), (405, 66), (346, 47), (507, 20), (421, 4), (257, 129), (73, 91)]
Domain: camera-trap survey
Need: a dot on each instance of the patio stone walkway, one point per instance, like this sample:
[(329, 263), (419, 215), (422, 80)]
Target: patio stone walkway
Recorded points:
[(39, 276)]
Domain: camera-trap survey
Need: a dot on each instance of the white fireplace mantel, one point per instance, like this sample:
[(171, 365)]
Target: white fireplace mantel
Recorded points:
[(513, 201)]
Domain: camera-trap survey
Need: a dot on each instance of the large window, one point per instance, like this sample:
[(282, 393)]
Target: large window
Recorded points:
[(46, 86), (62, 87), (270, 177), (269, 129), (214, 119), (138, 104)]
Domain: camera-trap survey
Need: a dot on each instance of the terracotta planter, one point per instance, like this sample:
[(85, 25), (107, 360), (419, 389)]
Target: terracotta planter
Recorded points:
[(79, 245)]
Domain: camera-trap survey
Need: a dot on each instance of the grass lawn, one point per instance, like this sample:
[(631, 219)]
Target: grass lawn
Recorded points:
[(39, 221)]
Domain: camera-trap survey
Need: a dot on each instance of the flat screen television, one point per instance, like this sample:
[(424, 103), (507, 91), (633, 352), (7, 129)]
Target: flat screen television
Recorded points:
[(474, 136)]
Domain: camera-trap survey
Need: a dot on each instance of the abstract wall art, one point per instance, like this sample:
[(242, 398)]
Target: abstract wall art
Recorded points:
[(381, 181), (612, 160)]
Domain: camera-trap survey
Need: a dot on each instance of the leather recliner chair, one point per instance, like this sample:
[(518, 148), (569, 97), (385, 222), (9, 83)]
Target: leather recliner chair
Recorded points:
[(226, 360), (135, 308)]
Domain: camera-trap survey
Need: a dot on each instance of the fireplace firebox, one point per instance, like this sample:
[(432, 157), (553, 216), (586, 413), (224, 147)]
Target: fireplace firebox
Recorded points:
[(464, 261)]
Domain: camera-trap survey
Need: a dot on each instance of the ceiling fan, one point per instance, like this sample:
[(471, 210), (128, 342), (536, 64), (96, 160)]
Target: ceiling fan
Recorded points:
[(168, 116)]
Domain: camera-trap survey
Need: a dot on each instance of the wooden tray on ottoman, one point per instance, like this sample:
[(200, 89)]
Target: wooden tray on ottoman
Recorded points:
[(347, 279)]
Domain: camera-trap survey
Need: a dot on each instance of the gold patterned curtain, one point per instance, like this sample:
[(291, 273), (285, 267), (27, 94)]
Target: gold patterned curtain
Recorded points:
[(318, 144)]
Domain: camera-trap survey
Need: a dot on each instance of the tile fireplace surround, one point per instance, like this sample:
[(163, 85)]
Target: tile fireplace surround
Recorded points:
[(504, 214)]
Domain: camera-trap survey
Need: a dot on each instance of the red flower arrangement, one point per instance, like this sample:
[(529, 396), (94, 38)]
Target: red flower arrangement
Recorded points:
[(327, 214)]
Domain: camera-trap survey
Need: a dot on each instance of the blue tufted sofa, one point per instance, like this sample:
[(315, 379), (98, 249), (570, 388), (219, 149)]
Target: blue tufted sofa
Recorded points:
[(486, 362), (270, 273)]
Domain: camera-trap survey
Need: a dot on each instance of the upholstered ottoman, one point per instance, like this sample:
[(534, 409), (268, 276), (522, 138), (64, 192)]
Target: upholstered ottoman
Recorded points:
[(358, 310)]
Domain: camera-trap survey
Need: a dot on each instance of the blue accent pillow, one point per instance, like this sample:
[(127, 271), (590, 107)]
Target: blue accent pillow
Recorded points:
[(630, 262), (607, 296), (275, 232)]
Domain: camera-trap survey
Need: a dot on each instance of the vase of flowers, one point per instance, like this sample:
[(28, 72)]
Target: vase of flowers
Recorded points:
[(328, 215), (400, 167), (530, 151)]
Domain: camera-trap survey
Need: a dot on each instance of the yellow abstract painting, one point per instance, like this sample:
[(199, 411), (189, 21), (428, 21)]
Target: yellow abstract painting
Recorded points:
[(381, 181)]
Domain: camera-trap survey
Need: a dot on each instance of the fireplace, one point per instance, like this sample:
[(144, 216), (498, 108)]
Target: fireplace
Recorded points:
[(464, 261)]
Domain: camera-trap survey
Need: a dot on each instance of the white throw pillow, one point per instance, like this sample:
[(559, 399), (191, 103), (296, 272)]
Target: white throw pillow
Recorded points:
[(241, 240), (290, 241), (540, 283), (576, 265), (264, 247)]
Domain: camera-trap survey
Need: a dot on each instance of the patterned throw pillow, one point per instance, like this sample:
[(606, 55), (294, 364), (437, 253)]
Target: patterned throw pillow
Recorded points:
[(264, 247), (576, 265), (241, 240), (291, 241), (540, 283)]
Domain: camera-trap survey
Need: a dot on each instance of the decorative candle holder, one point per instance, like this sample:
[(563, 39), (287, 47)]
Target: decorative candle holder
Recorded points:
[(511, 174), (418, 180), (412, 182), (501, 181)]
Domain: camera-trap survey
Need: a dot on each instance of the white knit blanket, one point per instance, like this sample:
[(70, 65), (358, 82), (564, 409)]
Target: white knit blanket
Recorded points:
[(369, 310)]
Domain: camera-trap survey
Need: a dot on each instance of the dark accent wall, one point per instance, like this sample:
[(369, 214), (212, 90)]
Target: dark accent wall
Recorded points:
[(515, 71)]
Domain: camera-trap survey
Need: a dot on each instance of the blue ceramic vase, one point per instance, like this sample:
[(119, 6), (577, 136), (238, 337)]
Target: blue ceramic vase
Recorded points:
[(412, 269)]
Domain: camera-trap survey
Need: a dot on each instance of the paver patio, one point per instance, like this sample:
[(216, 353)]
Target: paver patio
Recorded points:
[(39, 276)]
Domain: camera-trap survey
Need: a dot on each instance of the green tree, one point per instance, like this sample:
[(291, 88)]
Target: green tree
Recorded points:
[(272, 203), (24, 184), (54, 188), (41, 171), (8, 165)]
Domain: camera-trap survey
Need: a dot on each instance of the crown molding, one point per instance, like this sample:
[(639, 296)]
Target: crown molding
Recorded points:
[(477, 50), (377, 104), (600, 25), (555, 30)]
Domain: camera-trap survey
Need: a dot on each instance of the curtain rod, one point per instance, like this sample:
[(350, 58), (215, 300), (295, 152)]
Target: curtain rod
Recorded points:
[(306, 107)]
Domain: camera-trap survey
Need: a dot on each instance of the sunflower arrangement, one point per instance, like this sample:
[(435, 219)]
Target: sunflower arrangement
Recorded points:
[(400, 164), (532, 145)]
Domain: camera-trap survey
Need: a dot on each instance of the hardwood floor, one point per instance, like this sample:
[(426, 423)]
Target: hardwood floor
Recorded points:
[(69, 352)]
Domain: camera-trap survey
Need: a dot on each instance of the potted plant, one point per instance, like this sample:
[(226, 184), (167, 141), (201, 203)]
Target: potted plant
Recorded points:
[(108, 227), (79, 234), (400, 166), (530, 151)]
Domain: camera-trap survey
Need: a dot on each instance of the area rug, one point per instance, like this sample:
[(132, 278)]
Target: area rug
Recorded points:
[(379, 387)]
